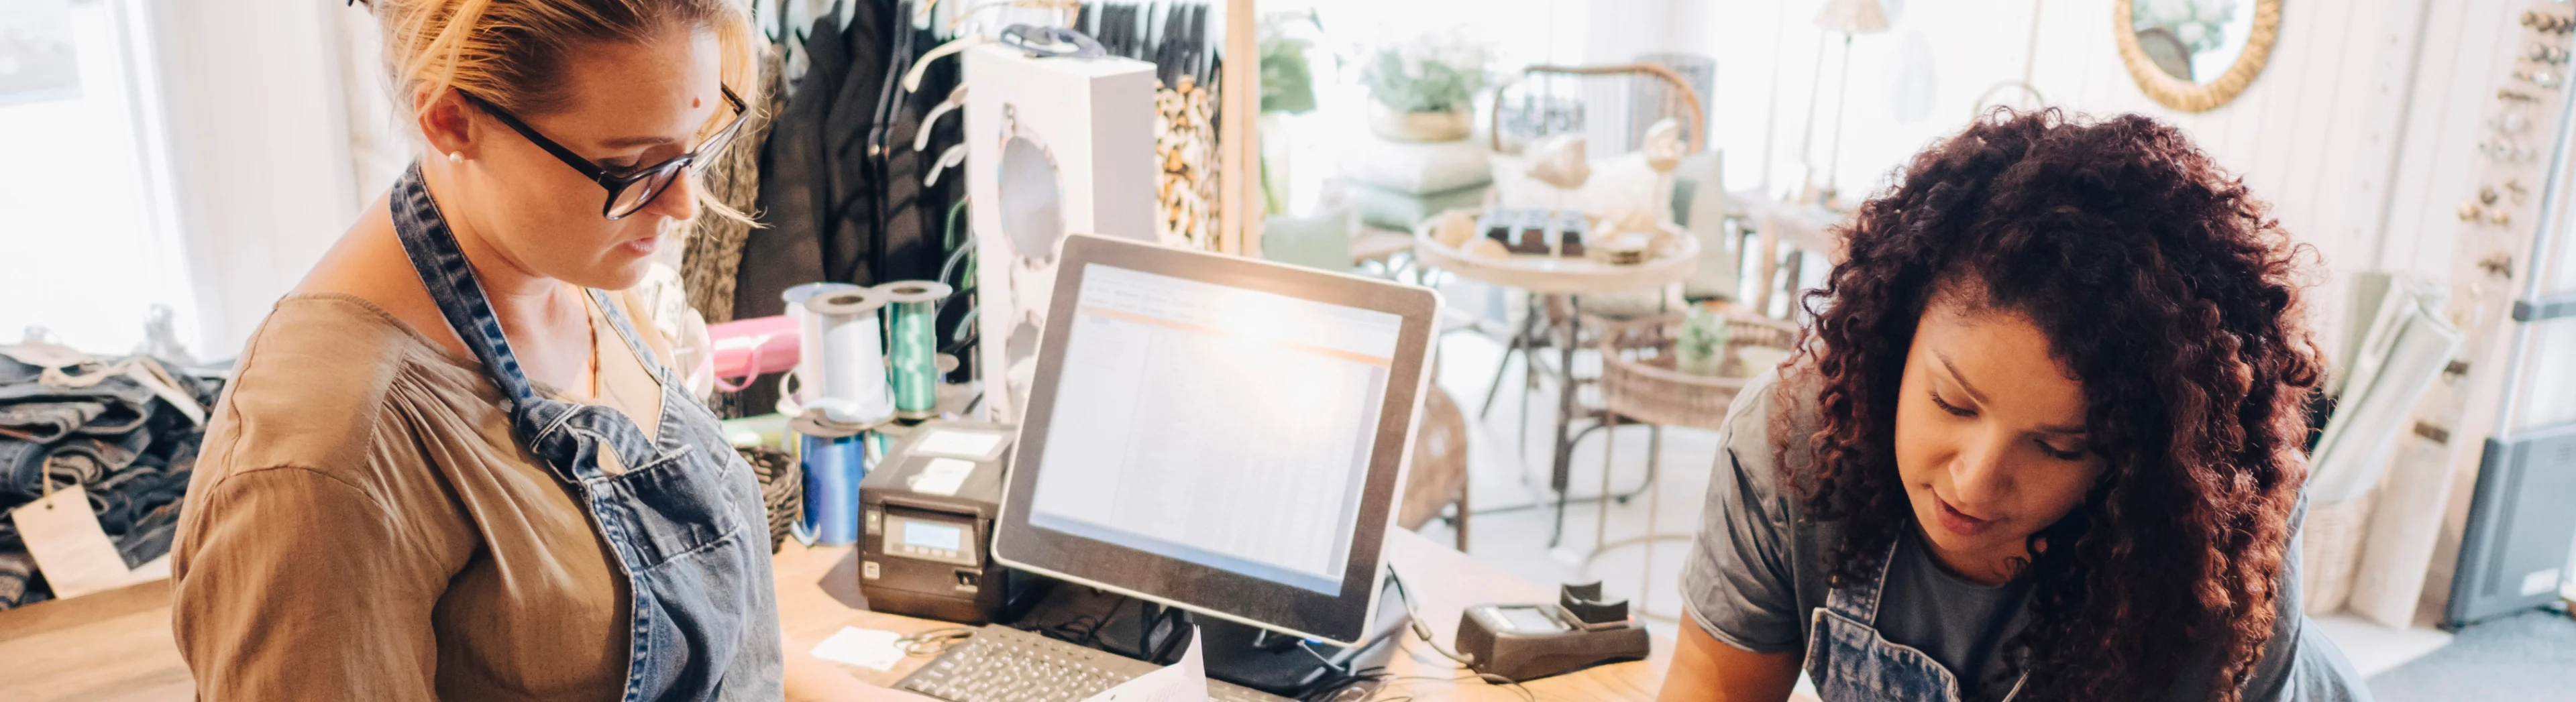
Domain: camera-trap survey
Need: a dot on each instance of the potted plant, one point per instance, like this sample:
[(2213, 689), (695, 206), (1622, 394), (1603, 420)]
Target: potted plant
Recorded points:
[(1700, 346), (1425, 89)]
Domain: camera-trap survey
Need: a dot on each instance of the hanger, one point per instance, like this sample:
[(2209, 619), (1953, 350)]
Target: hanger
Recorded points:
[(912, 78), (1052, 42), (1071, 8), (947, 159), (921, 136)]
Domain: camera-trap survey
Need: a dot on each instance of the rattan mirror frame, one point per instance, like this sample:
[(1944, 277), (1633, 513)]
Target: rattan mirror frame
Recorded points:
[(2199, 97)]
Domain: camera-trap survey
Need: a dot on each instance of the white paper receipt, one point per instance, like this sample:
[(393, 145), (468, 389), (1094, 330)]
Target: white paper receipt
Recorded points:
[(942, 477), (978, 445), (866, 648), (1185, 681)]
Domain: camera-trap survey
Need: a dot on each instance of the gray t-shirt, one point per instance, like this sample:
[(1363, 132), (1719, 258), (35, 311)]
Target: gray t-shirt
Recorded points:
[(1757, 573)]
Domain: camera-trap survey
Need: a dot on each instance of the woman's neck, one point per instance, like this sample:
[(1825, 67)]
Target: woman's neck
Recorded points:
[(515, 290), (1984, 569)]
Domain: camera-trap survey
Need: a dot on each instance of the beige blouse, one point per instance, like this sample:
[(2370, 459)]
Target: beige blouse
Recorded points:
[(363, 526)]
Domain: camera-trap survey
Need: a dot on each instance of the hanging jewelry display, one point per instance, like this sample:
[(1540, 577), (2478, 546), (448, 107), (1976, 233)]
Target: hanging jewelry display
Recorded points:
[(2486, 264), (1185, 146)]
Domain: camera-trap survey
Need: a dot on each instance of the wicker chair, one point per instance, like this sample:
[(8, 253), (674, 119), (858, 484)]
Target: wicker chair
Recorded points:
[(1439, 475), (1640, 385)]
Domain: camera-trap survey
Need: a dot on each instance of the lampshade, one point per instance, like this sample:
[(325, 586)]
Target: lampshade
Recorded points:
[(1852, 17)]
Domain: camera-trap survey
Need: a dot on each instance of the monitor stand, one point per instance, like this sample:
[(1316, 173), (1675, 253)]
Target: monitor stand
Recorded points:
[(1233, 652)]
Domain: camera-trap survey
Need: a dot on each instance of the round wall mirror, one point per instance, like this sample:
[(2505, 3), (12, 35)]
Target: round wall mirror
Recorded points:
[(2195, 55)]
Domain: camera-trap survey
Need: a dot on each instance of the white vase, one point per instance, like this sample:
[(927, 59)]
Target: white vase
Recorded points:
[(1395, 125)]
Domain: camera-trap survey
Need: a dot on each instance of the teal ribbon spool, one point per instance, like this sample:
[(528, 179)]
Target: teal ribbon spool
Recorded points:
[(912, 344)]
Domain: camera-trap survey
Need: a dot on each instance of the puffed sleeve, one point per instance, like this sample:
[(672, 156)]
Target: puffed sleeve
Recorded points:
[(291, 584)]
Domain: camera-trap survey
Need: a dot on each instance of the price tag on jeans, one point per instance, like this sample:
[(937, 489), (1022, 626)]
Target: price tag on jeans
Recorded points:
[(70, 548)]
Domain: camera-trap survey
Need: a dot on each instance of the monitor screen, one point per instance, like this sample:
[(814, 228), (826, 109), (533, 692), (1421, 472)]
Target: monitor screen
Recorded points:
[(1226, 427)]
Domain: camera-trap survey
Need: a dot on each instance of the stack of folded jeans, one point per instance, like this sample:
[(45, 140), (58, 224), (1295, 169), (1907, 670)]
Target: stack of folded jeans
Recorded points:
[(124, 429)]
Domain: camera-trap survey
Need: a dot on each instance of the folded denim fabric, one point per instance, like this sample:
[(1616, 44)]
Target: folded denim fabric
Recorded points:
[(23, 381), (17, 576), (43, 422), (112, 452), (25, 468), (123, 500), (150, 538)]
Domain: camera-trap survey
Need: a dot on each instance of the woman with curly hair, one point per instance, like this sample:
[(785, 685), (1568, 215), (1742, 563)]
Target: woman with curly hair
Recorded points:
[(2041, 442)]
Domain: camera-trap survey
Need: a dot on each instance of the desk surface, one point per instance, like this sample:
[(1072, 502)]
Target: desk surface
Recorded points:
[(116, 645), (1444, 581)]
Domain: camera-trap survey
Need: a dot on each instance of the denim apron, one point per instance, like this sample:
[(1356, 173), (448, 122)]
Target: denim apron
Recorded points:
[(685, 520), (1848, 660)]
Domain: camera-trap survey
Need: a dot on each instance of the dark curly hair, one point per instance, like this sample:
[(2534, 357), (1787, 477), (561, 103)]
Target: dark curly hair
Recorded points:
[(2173, 297)]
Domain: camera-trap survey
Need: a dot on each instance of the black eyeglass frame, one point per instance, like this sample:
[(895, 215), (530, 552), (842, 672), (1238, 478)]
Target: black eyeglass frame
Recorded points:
[(617, 182)]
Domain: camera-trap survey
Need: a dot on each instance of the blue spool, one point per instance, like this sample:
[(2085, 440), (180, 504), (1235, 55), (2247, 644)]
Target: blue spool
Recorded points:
[(833, 467)]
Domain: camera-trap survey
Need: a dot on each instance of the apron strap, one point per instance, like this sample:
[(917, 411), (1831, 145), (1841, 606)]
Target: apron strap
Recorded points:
[(616, 315), (443, 269), (1859, 600)]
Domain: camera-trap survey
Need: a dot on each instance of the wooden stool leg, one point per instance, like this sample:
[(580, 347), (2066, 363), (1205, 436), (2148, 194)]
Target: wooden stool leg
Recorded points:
[(1462, 518)]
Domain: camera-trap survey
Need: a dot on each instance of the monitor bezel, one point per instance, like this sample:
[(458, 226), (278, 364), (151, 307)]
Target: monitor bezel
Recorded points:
[(1343, 618)]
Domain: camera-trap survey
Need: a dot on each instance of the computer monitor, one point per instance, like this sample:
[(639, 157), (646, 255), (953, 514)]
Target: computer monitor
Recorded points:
[(1219, 434)]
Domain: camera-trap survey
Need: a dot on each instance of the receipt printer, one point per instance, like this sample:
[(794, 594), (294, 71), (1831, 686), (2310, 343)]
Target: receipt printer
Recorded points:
[(1528, 641), (926, 523)]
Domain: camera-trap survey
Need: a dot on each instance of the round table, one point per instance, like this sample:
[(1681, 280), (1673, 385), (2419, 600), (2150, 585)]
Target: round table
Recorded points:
[(1566, 279)]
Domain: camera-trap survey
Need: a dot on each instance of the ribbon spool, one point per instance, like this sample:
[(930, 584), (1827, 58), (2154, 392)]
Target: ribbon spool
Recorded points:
[(914, 309), (840, 365), (833, 467)]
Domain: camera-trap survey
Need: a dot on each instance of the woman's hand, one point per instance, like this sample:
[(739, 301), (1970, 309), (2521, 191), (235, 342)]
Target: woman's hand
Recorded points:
[(810, 679)]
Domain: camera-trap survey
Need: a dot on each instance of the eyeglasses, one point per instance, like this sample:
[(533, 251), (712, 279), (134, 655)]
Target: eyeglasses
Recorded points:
[(629, 189)]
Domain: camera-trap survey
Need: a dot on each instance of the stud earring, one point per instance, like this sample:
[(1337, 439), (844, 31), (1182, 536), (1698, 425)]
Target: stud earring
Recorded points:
[(455, 157)]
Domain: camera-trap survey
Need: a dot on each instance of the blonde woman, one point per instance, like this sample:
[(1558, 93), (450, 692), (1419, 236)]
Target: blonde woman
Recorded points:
[(449, 466)]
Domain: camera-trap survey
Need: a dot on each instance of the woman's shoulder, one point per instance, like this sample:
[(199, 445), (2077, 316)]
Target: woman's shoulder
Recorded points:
[(316, 383), (1773, 410)]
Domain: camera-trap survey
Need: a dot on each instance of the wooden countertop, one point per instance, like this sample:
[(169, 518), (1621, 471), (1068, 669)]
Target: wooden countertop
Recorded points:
[(116, 645)]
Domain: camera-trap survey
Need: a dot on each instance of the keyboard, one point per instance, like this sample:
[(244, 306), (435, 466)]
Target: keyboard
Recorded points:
[(1002, 664)]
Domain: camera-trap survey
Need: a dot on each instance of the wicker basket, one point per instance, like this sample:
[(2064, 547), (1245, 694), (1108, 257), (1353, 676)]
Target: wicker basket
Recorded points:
[(1639, 382)]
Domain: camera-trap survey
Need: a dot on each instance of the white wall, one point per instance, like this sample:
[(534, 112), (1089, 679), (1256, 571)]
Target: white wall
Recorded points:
[(2318, 133), (259, 150)]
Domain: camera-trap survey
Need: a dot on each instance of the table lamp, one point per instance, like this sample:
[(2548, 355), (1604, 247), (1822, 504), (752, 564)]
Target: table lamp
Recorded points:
[(1851, 18)]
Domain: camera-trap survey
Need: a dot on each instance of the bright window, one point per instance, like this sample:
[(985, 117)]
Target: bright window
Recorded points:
[(85, 249)]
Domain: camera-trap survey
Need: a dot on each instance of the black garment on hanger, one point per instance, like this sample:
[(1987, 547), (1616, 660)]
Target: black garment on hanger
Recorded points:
[(850, 249), (913, 245), (915, 215), (794, 200)]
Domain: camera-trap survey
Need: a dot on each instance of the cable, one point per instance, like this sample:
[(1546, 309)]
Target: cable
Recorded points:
[(1414, 617), (1467, 660), (1495, 680)]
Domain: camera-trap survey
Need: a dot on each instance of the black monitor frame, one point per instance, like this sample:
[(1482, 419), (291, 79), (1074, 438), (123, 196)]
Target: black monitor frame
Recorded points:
[(1343, 618)]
